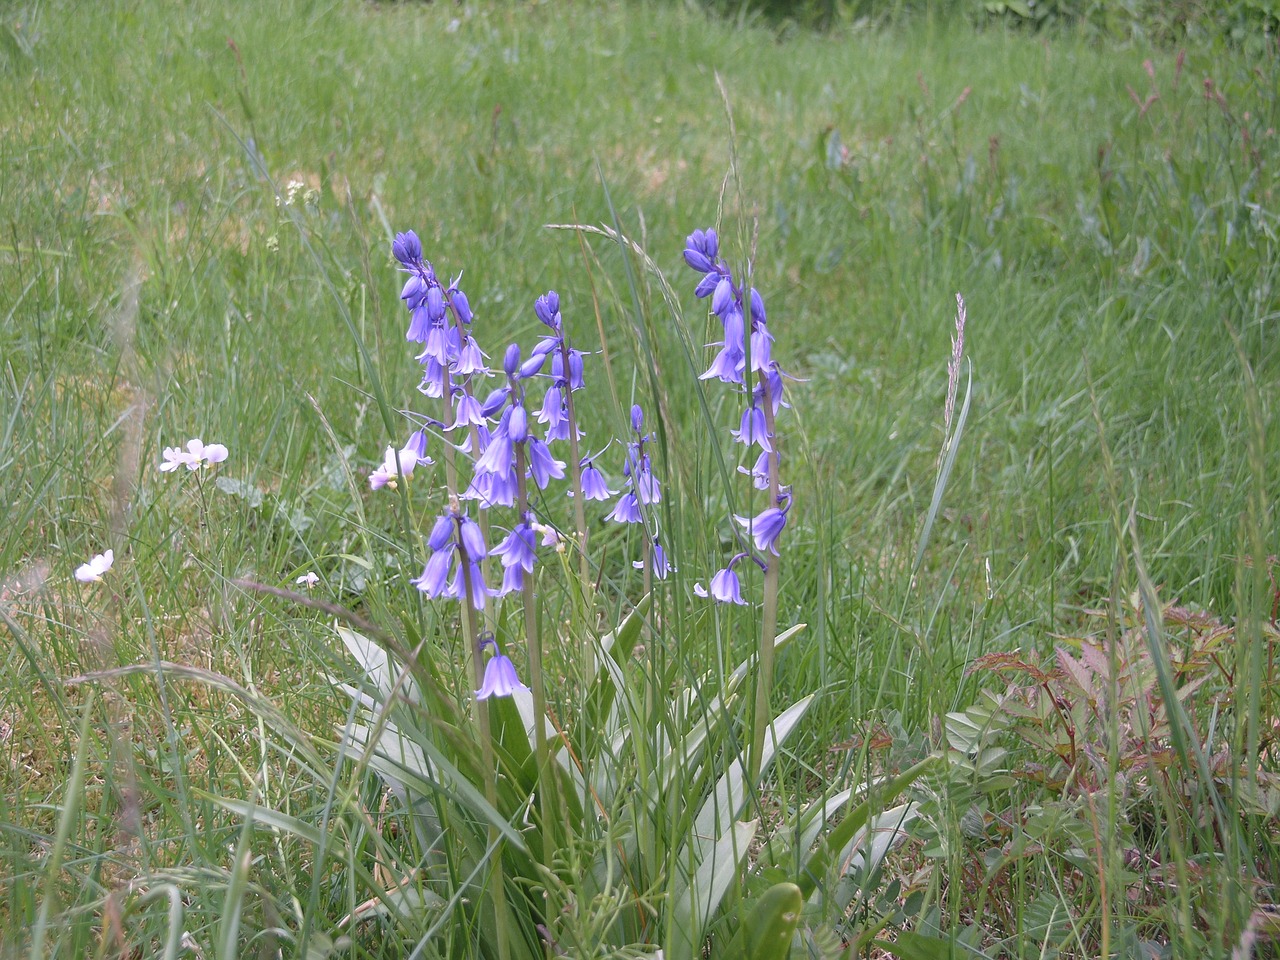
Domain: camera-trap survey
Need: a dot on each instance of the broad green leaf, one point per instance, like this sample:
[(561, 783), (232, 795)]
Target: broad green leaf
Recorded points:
[(820, 860), (767, 925), (693, 904), (730, 796)]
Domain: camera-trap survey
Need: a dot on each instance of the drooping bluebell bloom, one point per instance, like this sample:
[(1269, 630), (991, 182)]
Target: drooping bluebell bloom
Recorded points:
[(500, 678), (518, 556), (725, 586), (594, 486), (765, 527), (626, 510), (543, 467), (754, 428), (658, 561)]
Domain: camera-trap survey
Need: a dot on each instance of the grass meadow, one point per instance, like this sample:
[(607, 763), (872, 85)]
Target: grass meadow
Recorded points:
[(1058, 606)]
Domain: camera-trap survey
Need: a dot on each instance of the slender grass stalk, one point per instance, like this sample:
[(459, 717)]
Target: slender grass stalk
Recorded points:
[(72, 799)]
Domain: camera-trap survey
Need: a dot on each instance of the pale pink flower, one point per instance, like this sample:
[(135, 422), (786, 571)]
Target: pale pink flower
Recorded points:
[(92, 571)]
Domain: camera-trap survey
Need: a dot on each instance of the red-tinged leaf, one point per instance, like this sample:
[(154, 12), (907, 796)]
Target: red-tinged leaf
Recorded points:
[(1097, 660), (1077, 671), (1011, 660)]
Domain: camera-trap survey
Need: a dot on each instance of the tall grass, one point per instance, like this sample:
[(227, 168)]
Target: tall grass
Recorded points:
[(1118, 255)]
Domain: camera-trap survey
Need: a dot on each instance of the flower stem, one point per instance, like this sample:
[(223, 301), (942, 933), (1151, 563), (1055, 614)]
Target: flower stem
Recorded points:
[(769, 609), (497, 882)]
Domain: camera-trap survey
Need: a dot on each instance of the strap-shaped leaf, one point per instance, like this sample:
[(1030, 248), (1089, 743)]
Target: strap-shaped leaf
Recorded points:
[(694, 904)]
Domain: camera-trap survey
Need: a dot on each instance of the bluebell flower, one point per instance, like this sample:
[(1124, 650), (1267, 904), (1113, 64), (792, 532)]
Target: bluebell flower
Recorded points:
[(470, 359), (467, 413), (626, 510), (471, 539), (658, 561), (766, 526), (725, 587), (517, 548), (754, 428), (479, 589), (593, 482), (542, 465), (500, 678), (434, 581), (441, 532), (759, 472)]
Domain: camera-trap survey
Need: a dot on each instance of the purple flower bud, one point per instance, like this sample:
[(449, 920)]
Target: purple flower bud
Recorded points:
[(547, 307), (575, 370), (435, 303), (461, 306), (511, 361), (637, 418), (518, 424), (722, 299), (757, 307), (472, 540), (495, 401), (415, 288), (703, 245), (441, 532), (707, 285), (531, 366), (407, 248), (698, 260)]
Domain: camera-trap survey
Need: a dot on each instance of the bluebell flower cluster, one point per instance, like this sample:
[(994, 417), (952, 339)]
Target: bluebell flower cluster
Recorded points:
[(746, 350), (453, 568), (495, 429)]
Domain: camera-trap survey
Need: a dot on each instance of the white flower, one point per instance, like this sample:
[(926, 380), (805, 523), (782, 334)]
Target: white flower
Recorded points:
[(308, 579), (385, 475), (194, 457), (92, 571)]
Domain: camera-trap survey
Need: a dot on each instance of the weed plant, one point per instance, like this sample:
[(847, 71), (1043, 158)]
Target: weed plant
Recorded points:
[(199, 215)]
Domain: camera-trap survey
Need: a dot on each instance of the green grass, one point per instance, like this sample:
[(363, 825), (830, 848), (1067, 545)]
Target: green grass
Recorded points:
[(1123, 286)]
